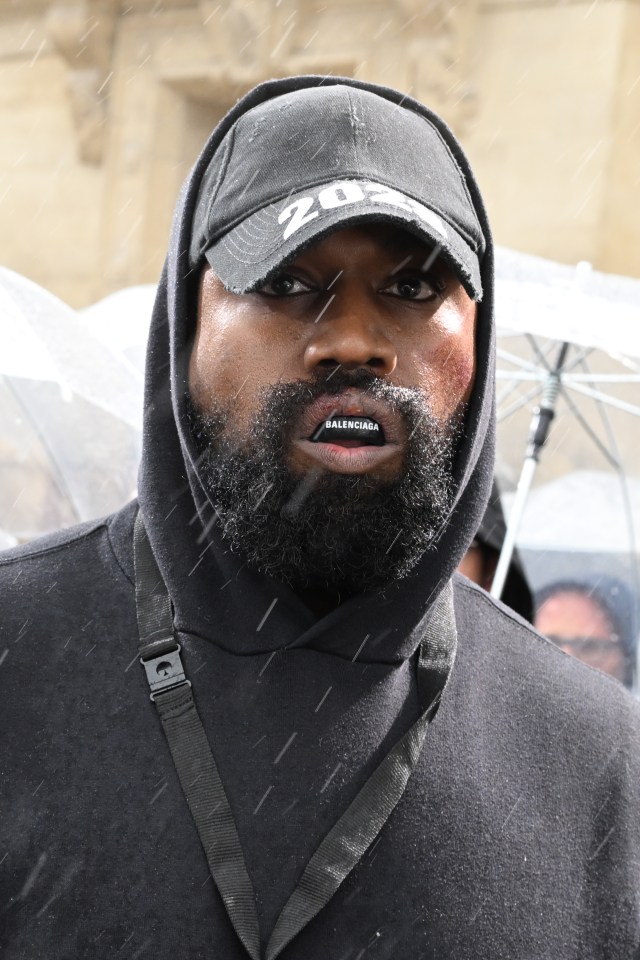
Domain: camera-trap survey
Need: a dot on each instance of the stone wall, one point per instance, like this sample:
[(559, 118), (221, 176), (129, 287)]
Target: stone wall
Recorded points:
[(105, 103)]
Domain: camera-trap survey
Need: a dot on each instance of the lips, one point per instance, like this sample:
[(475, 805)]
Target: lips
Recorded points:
[(351, 405), (347, 444)]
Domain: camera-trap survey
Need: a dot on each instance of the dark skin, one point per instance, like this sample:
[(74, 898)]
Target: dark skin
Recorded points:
[(360, 297), (479, 564)]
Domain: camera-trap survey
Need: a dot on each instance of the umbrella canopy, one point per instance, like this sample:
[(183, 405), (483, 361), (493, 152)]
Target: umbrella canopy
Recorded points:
[(575, 304), (569, 343), (581, 512), (70, 410), (121, 322), (540, 305), (43, 339)]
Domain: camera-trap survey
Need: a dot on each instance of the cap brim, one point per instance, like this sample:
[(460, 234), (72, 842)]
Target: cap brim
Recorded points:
[(249, 255)]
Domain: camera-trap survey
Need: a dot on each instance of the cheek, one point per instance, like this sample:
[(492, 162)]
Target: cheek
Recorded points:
[(455, 365), (219, 351), (214, 364), (447, 361), (237, 351)]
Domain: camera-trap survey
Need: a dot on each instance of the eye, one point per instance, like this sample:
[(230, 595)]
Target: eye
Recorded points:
[(285, 285), (414, 287)]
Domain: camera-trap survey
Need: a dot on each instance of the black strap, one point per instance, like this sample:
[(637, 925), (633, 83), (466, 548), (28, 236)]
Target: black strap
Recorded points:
[(197, 769), (347, 842)]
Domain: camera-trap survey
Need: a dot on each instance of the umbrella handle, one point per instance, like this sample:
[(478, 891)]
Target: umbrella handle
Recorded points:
[(538, 435), (509, 544)]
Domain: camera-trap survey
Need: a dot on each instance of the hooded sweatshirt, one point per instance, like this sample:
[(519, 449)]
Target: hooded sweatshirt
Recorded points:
[(518, 834)]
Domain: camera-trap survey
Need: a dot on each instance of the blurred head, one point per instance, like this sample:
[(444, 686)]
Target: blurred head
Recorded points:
[(583, 625)]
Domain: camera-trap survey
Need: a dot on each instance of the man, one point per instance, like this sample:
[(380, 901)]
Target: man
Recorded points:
[(375, 764)]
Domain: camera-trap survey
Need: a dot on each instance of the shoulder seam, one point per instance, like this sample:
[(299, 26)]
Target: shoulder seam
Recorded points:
[(53, 549), (116, 558)]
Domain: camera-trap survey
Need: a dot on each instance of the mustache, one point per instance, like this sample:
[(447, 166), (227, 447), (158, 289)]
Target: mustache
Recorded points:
[(281, 406), (340, 380), (291, 399)]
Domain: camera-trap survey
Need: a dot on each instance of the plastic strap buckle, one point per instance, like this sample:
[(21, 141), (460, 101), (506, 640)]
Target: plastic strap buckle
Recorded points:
[(165, 671)]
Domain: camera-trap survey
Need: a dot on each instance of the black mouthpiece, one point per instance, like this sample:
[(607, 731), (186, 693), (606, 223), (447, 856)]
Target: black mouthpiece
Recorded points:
[(350, 428)]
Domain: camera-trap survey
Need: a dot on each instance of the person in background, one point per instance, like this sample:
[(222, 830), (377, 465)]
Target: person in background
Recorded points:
[(481, 559), (591, 621)]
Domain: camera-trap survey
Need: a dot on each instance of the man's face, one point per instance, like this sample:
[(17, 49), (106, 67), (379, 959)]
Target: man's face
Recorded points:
[(365, 324)]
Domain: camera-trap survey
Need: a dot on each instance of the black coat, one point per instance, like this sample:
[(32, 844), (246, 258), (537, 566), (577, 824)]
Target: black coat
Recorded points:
[(517, 837)]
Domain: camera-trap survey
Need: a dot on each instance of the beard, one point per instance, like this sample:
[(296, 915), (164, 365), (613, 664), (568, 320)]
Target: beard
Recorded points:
[(325, 530)]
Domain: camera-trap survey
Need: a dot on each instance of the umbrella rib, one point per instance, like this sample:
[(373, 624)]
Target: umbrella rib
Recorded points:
[(592, 378), (517, 361), (519, 403), (538, 352), (580, 357), (626, 498), (534, 374), (607, 454), (516, 379), (534, 371), (582, 354), (605, 419), (615, 451), (508, 390), (597, 395), (522, 376)]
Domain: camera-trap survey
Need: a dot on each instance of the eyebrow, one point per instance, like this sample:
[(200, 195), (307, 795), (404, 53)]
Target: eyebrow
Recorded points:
[(406, 243), (407, 248), (402, 264)]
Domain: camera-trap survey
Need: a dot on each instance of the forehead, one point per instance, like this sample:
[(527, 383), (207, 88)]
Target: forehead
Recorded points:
[(578, 611)]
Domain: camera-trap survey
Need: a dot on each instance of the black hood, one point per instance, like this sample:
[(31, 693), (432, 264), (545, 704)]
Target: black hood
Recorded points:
[(215, 596)]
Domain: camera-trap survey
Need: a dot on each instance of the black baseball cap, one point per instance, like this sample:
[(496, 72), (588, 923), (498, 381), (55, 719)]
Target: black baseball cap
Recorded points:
[(300, 165)]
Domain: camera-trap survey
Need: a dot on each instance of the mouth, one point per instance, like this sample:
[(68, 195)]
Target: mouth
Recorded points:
[(348, 430), (350, 433)]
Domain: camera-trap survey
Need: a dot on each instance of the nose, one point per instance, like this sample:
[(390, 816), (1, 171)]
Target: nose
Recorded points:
[(350, 333)]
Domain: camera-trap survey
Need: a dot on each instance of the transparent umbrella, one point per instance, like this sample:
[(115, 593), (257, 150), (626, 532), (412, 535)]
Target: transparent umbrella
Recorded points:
[(70, 410), (569, 368), (121, 321)]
